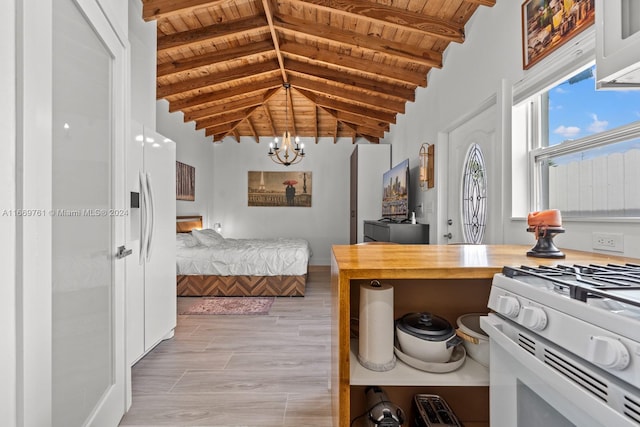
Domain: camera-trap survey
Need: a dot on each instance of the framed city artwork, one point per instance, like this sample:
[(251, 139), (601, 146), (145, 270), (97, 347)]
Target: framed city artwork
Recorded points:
[(548, 24), (279, 189)]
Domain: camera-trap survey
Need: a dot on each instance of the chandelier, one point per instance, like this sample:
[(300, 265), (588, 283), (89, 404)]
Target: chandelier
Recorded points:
[(286, 154)]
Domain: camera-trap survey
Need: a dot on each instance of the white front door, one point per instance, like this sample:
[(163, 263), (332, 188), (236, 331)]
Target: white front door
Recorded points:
[(88, 213), (473, 196)]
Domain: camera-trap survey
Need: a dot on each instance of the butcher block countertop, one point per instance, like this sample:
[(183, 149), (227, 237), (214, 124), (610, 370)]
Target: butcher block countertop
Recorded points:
[(451, 280), (452, 261)]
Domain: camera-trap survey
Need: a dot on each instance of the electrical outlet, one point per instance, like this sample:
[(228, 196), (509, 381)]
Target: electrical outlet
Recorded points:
[(613, 242)]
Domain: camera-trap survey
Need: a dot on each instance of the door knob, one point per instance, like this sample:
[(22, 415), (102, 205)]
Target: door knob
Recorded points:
[(448, 235)]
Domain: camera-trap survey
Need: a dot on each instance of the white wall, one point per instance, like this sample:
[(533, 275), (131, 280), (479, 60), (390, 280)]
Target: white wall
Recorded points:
[(8, 378), (194, 149), (142, 39), (472, 73), (324, 224)]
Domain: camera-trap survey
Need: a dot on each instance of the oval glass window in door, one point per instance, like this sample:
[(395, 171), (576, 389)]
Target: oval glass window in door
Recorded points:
[(474, 196)]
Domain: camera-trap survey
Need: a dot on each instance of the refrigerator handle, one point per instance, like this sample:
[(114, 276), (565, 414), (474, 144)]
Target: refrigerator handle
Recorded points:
[(152, 216), (143, 217)]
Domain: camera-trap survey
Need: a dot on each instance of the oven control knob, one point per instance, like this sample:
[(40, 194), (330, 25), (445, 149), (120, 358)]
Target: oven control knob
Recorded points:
[(534, 318), (608, 352), (508, 305)]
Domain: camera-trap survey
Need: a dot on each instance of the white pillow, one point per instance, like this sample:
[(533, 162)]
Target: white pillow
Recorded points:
[(185, 240), (208, 237)]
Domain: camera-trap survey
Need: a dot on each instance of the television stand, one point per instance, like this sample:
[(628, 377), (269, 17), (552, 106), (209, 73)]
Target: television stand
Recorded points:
[(396, 232)]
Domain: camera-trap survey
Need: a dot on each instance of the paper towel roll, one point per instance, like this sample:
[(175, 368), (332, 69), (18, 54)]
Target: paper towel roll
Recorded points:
[(375, 343)]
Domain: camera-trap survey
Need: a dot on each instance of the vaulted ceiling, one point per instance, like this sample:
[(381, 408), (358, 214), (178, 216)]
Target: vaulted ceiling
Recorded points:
[(352, 65)]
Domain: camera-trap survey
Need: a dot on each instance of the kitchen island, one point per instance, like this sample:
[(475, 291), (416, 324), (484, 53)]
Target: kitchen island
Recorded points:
[(447, 280)]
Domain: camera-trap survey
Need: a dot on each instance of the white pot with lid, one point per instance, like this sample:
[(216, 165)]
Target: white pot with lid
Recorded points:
[(476, 341), (426, 337)]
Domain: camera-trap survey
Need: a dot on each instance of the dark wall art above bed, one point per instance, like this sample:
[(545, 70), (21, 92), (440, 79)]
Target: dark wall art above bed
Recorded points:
[(185, 182), (279, 189)]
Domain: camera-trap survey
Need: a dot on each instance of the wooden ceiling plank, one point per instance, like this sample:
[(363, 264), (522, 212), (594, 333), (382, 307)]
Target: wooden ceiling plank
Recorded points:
[(362, 66), (398, 18), (243, 72), (229, 106), (212, 58), (388, 48), (158, 9), (223, 95), (324, 101), (372, 99), (212, 33), (342, 79)]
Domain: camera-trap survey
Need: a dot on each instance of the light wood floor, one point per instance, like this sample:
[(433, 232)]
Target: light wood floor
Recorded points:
[(246, 371)]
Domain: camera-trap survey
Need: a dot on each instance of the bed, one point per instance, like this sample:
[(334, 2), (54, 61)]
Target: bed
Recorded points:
[(209, 265)]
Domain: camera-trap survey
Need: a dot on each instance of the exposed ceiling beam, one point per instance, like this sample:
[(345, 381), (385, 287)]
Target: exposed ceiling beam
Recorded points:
[(489, 3), (253, 130), (334, 59), (335, 104), (228, 106), (399, 18), (221, 119), (335, 35), (212, 33), (372, 99), (226, 128), (223, 95), (356, 82), (274, 38), (244, 72), (344, 116), (241, 53), (157, 9)]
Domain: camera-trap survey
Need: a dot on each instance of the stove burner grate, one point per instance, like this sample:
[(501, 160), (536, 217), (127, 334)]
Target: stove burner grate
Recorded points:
[(587, 281)]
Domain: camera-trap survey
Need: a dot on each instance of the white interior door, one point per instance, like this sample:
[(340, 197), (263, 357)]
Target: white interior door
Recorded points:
[(88, 358), (473, 197)]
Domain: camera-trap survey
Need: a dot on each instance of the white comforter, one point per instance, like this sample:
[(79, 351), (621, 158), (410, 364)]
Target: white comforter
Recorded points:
[(252, 257)]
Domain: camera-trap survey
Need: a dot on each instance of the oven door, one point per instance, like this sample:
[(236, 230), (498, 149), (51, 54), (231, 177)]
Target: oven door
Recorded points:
[(526, 392)]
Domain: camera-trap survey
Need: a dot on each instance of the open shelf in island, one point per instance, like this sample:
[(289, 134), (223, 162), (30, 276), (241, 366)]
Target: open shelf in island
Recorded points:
[(471, 373)]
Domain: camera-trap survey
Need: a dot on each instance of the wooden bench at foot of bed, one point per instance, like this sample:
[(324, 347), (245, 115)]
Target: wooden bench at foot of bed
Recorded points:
[(245, 286)]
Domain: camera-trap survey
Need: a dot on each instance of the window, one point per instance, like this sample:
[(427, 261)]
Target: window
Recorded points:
[(474, 196), (585, 148)]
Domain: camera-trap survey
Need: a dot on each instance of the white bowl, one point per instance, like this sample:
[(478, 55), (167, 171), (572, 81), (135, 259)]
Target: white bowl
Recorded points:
[(475, 341)]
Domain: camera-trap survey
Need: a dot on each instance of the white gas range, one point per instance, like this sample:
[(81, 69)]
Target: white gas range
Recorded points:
[(565, 346)]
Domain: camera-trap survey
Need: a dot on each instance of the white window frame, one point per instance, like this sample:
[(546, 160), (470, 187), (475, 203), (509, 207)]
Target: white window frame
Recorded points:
[(527, 94)]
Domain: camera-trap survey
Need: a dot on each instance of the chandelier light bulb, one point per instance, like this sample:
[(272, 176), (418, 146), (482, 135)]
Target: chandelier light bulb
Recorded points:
[(287, 154)]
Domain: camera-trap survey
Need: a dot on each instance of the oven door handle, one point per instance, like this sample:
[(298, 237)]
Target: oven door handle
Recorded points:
[(493, 326)]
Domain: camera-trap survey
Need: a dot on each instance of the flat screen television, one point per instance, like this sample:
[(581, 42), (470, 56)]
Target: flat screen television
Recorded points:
[(395, 192)]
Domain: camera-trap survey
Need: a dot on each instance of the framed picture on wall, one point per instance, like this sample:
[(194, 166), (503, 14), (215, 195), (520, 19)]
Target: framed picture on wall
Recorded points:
[(185, 182), (291, 189), (548, 24)]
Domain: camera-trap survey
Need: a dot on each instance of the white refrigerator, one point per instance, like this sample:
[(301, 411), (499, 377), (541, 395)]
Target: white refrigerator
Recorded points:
[(151, 270)]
